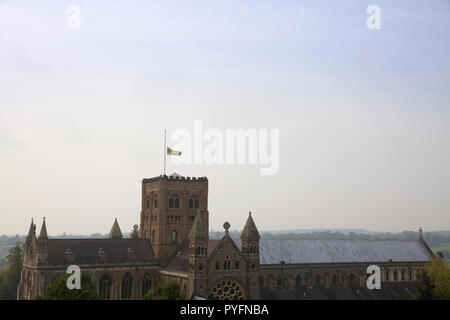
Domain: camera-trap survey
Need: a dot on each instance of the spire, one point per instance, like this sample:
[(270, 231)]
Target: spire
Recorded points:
[(31, 234), (250, 231), (115, 232), (198, 229), (43, 233), (32, 228), (420, 234)]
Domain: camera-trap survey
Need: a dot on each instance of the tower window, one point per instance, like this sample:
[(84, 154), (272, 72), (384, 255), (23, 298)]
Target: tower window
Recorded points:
[(155, 203), (227, 263), (147, 204), (191, 203), (170, 203), (174, 236), (197, 204), (177, 203)]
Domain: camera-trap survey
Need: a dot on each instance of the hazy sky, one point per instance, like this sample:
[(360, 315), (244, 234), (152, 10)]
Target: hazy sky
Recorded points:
[(364, 115)]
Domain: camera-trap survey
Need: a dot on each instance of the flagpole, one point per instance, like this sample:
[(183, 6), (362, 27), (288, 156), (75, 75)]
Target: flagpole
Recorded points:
[(165, 151)]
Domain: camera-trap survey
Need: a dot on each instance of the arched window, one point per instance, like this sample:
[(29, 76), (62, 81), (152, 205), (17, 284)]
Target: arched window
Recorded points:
[(127, 283), (197, 204), (177, 203), (403, 275), (174, 236), (147, 204), (395, 275), (170, 203), (146, 284), (227, 263), (105, 287), (410, 276), (387, 275), (191, 203), (155, 204)]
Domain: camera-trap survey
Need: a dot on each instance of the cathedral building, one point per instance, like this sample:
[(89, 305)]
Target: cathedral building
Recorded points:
[(172, 244)]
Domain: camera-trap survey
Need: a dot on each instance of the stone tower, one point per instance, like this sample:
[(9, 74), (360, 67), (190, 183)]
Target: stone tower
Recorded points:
[(250, 252), (169, 209), (198, 258)]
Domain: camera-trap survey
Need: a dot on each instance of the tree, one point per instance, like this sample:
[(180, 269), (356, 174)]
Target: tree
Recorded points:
[(435, 281), (57, 289), (167, 291), (10, 274)]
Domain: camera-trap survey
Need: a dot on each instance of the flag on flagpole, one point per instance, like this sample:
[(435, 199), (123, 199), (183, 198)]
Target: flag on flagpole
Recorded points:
[(172, 152)]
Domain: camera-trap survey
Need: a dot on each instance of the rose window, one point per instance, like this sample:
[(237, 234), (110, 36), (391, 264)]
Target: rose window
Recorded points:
[(227, 289)]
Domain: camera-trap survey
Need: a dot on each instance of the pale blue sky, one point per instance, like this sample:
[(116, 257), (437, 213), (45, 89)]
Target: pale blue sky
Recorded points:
[(364, 115)]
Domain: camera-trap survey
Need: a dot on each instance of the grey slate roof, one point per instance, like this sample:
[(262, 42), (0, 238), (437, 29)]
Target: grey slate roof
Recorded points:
[(341, 251)]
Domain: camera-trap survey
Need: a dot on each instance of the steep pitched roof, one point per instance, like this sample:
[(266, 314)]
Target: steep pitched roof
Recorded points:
[(43, 233), (92, 251), (115, 232), (250, 231), (341, 251), (198, 230)]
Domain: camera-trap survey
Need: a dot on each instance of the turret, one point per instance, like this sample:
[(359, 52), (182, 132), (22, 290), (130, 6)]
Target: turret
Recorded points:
[(31, 235), (115, 232), (42, 244), (198, 255), (250, 252)]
